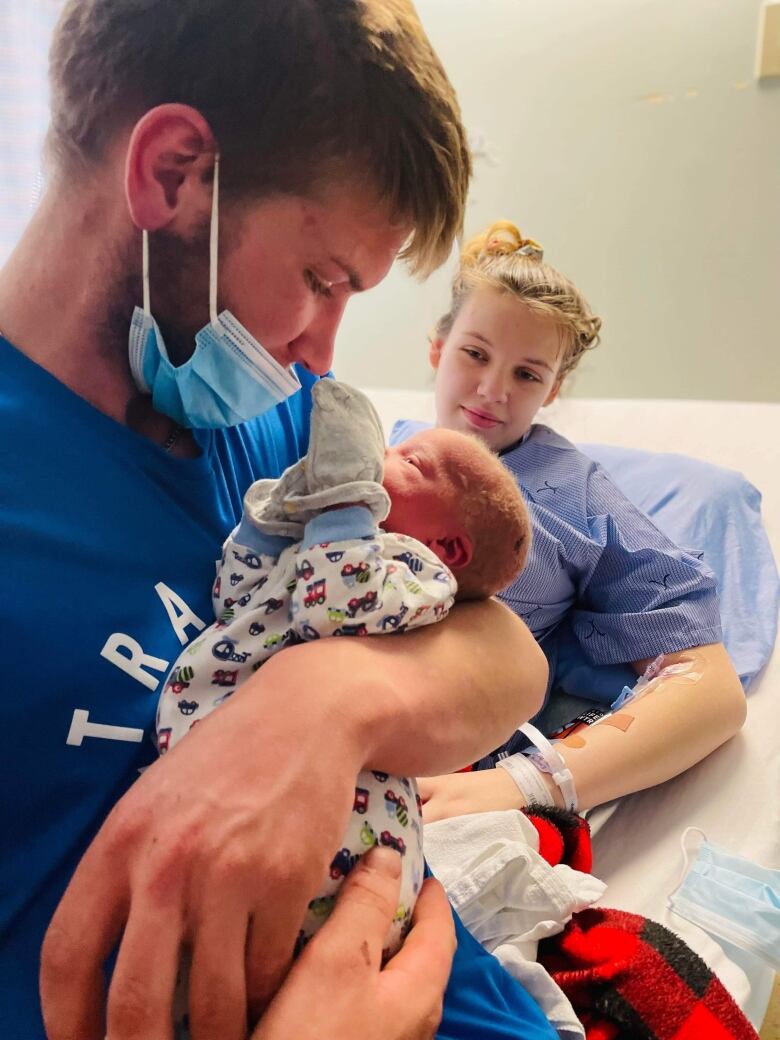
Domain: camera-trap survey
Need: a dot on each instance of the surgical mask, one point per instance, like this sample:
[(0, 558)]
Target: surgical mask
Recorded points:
[(731, 898), (229, 378)]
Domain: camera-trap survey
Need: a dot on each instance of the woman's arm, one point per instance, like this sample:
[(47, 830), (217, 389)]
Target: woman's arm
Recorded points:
[(663, 733)]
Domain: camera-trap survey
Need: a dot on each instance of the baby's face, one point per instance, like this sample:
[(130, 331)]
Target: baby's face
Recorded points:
[(423, 496), (497, 367)]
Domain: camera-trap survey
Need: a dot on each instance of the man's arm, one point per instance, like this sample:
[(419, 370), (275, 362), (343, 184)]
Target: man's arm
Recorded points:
[(222, 843), (440, 697)]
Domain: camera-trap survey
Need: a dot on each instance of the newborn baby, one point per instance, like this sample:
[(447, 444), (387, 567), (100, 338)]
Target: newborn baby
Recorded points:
[(353, 540)]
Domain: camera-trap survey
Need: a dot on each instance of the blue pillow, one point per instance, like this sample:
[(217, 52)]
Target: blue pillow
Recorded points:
[(715, 514)]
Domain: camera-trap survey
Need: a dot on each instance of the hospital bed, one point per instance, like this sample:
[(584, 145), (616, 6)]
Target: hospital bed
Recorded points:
[(734, 795)]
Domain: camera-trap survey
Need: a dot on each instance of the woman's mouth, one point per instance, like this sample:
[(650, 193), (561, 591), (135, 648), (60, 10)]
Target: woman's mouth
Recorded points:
[(480, 420)]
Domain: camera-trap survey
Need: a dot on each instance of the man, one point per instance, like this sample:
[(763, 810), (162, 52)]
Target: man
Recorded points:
[(339, 144)]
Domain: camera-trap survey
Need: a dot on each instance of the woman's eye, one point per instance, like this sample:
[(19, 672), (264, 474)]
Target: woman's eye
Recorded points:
[(474, 354), (525, 375), (316, 284)]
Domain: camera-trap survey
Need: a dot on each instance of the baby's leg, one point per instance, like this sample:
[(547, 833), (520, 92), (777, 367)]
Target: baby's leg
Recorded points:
[(387, 812)]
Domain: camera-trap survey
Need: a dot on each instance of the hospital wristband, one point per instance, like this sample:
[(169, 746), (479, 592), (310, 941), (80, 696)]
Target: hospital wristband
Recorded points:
[(550, 761), (528, 779)]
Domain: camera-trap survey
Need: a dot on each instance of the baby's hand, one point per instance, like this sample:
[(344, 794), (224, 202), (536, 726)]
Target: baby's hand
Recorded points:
[(347, 443)]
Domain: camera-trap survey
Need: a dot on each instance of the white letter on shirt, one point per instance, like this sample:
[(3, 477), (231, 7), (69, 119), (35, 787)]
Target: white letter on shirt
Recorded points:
[(182, 620), (133, 663), (81, 727)]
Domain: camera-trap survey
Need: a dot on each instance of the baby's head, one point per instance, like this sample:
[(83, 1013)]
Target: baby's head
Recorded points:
[(515, 329), (449, 491)]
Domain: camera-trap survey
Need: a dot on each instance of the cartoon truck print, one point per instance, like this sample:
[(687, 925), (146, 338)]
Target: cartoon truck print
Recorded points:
[(336, 556), (336, 616), (342, 864), (316, 593), (225, 650), (396, 807), (392, 622), (271, 605), (275, 639), (355, 572), (188, 707), (322, 906), (164, 739), (367, 835), (250, 559), (414, 563), (225, 677), (256, 629), (351, 630), (364, 603), (304, 571), (391, 842), (360, 804), (180, 679)]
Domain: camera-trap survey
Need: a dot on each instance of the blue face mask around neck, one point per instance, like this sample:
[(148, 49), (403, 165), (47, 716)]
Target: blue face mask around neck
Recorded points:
[(731, 898), (229, 378)]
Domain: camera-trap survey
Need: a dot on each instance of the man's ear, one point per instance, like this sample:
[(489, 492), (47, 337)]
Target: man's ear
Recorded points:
[(169, 158), (457, 552), (553, 393), (434, 351)]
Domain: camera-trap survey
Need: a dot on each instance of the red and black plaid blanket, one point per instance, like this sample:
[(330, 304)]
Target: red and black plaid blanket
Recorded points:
[(627, 977)]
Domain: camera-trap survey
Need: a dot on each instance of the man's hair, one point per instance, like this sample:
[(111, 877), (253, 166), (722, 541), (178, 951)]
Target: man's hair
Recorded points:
[(296, 93), (493, 512)]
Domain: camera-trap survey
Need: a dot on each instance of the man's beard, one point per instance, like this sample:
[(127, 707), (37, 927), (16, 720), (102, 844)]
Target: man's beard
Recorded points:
[(179, 280)]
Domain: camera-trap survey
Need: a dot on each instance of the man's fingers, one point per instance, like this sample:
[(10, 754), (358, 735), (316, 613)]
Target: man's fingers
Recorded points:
[(269, 949), (364, 911), (430, 945), (217, 985), (140, 997), (80, 937)]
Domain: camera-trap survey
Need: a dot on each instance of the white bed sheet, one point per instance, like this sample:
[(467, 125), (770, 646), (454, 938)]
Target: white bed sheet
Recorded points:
[(734, 795)]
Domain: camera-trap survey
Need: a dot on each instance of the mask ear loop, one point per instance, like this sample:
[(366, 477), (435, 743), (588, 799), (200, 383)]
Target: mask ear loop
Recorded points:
[(145, 271), (214, 244), (686, 857)]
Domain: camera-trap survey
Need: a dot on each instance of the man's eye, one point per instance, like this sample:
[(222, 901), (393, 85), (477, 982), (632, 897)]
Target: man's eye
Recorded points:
[(316, 284)]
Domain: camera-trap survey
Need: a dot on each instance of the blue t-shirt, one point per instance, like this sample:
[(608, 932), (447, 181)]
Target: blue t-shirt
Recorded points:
[(108, 548)]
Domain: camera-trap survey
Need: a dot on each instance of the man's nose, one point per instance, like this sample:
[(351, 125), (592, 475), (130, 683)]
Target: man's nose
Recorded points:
[(314, 347)]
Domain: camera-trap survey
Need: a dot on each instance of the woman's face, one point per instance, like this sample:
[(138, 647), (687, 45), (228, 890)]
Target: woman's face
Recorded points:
[(496, 368)]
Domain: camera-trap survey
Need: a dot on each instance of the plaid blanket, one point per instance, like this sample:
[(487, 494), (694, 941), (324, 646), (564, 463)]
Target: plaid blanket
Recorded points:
[(629, 978)]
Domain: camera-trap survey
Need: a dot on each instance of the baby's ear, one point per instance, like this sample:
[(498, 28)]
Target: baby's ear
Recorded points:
[(456, 552)]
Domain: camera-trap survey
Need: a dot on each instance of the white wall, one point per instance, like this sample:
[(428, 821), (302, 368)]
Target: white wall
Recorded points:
[(631, 139)]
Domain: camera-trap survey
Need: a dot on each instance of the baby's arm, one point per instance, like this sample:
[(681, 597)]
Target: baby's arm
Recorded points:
[(356, 580)]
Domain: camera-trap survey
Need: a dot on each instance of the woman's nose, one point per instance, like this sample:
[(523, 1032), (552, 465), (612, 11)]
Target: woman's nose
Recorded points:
[(493, 387)]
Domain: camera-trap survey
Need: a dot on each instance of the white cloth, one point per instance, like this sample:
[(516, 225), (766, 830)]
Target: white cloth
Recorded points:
[(509, 897)]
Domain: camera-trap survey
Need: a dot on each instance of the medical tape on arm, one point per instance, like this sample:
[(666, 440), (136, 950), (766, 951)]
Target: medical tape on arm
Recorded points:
[(687, 671)]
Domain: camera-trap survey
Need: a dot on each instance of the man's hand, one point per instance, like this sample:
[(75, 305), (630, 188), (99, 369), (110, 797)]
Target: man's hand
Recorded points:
[(337, 989), (458, 794), (220, 846)]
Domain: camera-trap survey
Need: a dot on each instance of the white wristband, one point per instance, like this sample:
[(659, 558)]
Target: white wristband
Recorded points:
[(550, 761), (528, 779)]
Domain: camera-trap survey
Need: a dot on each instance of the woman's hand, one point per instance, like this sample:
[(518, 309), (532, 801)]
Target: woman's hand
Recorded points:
[(457, 794), (337, 989)]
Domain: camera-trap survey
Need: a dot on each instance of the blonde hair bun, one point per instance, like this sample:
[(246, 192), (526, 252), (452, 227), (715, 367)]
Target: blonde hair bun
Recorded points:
[(501, 239)]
